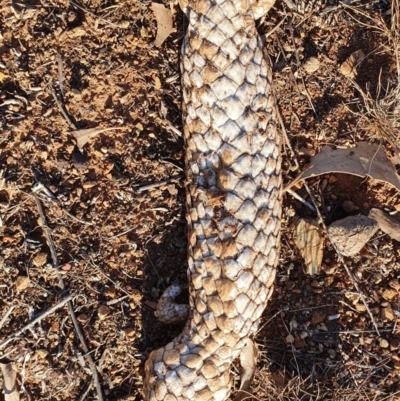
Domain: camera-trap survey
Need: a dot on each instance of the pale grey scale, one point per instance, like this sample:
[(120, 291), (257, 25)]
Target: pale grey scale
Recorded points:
[(233, 196)]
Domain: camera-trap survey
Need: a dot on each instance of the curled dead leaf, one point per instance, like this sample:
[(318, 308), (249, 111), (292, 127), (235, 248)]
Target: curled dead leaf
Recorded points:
[(363, 160)]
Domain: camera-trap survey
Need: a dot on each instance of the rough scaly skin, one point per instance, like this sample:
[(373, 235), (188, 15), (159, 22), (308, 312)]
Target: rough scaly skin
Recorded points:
[(233, 199)]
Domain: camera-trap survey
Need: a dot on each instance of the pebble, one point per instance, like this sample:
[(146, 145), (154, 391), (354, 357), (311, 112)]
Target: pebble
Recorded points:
[(387, 313), (311, 65), (22, 282), (383, 343), (394, 344), (389, 294), (348, 206)]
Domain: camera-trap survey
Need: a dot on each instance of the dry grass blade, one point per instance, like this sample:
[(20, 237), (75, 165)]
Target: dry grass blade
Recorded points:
[(381, 117)]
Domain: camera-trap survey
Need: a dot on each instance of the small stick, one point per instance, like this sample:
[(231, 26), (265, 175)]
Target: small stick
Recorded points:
[(78, 330), (115, 301), (299, 198), (63, 112), (34, 321), (5, 317), (158, 184)]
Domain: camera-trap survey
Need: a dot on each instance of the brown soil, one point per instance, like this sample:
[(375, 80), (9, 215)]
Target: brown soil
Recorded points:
[(120, 245)]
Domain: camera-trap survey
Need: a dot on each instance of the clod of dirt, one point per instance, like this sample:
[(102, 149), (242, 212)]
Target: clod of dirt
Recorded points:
[(349, 235), (388, 224), (311, 65)]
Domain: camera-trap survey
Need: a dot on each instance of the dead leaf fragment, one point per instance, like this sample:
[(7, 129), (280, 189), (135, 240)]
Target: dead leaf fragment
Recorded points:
[(164, 22), (82, 136), (363, 160), (307, 237), (10, 388), (349, 67)]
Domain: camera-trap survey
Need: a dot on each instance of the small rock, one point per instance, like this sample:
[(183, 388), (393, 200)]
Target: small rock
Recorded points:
[(136, 295), (130, 332), (387, 313), (321, 326), (315, 284), (394, 344), (42, 353), (289, 339), (103, 311), (361, 307), (377, 278), (389, 294), (82, 318), (89, 184), (40, 259), (348, 206), (352, 233), (22, 282), (311, 65), (383, 343), (316, 318), (395, 284), (298, 342)]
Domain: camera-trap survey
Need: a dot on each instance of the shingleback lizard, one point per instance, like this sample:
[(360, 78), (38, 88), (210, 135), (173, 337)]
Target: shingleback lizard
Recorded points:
[(233, 200)]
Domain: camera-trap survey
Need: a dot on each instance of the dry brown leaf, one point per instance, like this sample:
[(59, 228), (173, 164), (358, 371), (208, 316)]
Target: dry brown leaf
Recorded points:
[(10, 388), (364, 160), (82, 136), (349, 67), (164, 22), (307, 237), (248, 359)]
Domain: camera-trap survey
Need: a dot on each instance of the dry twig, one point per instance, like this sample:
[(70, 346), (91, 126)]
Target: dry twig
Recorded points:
[(78, 330), (34, 321)]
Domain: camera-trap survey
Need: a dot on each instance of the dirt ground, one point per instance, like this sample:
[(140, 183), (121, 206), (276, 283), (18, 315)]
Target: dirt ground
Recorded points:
[(115, 209)]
